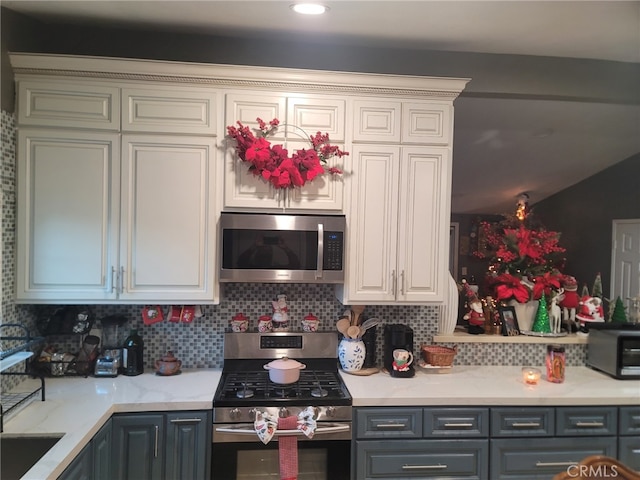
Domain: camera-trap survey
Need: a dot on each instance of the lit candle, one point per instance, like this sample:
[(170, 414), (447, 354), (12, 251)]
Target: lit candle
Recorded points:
[(531, 375)]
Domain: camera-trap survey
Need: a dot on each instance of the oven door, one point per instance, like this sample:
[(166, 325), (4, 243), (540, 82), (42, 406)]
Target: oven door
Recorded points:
[(238, 454)]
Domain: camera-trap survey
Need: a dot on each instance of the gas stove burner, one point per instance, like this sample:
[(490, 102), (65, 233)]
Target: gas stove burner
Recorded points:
[(319, 392), (244, 392), (284, 392)]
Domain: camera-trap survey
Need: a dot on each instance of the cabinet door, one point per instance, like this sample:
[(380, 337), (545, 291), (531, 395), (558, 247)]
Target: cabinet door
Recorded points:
[(423, 233), (376, 121), (138, 442), (168, 234), (179, 110), (68, 206), (188, 451), (243, 189), (63, 103), (308, 115), (428, 123), (101, 444), (81, 466), (629, 452), (373, 222)]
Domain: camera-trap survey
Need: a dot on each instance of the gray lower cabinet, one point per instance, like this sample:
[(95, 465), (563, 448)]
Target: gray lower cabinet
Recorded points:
[(444, 443), (188, 450), (500, 443), (147, 446), (137, 446), (94, 460), (540, 442), (155, 446), (629, 440)]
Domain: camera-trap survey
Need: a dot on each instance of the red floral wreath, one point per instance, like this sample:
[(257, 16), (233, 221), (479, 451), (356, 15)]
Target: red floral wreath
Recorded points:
[(273, 163)]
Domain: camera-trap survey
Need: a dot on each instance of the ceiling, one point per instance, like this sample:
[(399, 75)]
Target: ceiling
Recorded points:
[(504, 145)]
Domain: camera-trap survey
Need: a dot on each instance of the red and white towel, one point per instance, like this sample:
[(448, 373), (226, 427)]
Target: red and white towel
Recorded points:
[(266, 426)]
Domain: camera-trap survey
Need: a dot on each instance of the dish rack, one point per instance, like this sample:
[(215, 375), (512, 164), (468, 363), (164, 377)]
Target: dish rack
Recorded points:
[(13, 356)]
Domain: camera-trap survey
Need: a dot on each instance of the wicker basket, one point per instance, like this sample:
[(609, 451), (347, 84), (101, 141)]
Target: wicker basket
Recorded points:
[(439, 356)]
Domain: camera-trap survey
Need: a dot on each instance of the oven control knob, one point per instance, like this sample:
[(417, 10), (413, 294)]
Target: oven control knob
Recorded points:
[(234, 413), (284, 412), (331, 411)]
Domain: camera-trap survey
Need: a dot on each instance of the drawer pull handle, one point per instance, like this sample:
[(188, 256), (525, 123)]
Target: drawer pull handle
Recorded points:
[(458, 425), (525, 424), (589, 424), (424, 467), (186, 420), (555, 464), (392, 426)]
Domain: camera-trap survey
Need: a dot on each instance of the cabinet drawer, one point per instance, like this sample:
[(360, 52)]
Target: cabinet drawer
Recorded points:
[(572, 421), (528, 458), (456, 422), (69, 104), (522, 422), (389, 423), (423, 459), (151, 110), (629, 421), (629, 452)]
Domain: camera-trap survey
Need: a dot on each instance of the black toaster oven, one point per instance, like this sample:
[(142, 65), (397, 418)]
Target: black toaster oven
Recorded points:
[(615, 351)]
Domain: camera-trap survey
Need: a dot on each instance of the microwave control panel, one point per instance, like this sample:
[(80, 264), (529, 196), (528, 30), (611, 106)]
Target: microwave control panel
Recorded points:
[(333, 248)]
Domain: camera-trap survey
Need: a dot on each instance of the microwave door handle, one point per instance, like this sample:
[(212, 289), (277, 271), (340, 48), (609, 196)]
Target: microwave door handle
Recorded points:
[(320, 251)]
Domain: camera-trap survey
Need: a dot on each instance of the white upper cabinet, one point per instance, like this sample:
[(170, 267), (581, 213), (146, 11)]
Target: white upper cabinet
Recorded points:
[(168, 228), (181, 109), (68, 211), (299, 117), (124, 167), (396, 246), (406, 122), (76, 104)]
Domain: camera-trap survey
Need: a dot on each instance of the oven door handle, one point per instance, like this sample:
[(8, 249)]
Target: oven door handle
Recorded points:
[(248, 429)]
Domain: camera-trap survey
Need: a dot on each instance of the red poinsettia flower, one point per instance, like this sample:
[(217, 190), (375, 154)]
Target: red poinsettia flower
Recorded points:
[(509, 286), (272, 162), (545, 284)]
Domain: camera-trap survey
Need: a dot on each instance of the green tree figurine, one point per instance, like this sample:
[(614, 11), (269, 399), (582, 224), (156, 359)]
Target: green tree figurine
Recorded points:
[(619, 315), (596, 291), (541, 322)]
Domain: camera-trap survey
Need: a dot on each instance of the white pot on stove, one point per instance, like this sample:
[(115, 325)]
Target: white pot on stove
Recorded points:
[(284, 370)]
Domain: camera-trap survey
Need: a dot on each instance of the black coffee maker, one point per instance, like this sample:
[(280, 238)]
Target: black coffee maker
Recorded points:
[(398, 337)]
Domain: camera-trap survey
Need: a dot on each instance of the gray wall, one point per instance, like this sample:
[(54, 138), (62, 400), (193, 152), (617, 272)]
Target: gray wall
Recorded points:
[(584, 214)]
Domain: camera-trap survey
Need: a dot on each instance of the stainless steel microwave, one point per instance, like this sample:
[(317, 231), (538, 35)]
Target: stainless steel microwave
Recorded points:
[(616, 352), (275, 248)]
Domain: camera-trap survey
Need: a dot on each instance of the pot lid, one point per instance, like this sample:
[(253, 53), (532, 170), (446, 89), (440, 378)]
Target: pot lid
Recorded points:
[(169, 357), (264, 318), (240, 316), (311, 317), (285, 363)]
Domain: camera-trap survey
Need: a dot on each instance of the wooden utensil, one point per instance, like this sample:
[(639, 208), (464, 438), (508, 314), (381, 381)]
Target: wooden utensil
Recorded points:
[(353, 332), (342, 325), (357, 312)]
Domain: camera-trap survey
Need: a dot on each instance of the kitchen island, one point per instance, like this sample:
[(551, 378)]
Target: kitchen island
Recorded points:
[(76, 408)]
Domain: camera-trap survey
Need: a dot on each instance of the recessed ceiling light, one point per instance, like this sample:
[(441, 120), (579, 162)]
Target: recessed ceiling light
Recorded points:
[(309, 8)]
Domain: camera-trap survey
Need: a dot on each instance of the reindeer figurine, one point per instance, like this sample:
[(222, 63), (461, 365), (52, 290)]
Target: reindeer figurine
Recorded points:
[(555, 312)]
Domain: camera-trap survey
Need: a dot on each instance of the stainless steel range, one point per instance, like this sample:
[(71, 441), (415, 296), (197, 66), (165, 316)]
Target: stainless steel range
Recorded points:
[(246, 389)]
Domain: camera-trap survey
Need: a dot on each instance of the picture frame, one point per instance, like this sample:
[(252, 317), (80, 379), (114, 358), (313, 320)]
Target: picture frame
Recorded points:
[(509, 321)]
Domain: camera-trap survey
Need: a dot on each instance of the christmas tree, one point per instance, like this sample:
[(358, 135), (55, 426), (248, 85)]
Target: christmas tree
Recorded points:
[(619, 315), (541, 323), (596, 291)]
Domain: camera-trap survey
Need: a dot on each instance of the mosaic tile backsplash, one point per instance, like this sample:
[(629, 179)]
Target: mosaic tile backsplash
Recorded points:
[(199, 344)]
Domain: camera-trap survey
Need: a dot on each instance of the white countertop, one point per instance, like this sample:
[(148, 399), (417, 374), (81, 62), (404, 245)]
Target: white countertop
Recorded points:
[(470, 385), (77, 407)]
